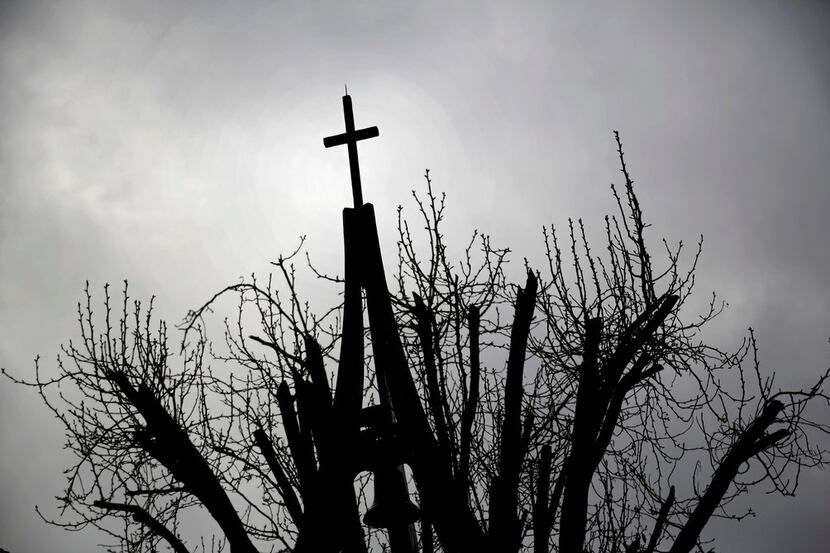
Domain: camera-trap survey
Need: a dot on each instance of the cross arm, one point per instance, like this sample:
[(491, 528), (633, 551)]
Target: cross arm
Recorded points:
[(352, 136)]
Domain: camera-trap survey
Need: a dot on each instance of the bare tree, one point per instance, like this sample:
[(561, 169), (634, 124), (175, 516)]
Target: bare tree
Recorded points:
[(580, 411)]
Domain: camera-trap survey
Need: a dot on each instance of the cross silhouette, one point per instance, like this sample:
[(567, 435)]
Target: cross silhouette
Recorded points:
[(350, 138)]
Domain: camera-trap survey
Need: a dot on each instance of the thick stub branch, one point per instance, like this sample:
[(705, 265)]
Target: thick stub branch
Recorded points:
[(169, 444), (301, 449), (660, 522), (632, 340), (546, 502), (292, 504), (541, 521), (316, 368), (470, 407), (435, 400), (140, 515), (332, 522), (504, 525), (580, 462), (316, 404), (752, 441)]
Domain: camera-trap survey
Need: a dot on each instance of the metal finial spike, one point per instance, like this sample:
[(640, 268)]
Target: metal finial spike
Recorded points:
[(347, 89)]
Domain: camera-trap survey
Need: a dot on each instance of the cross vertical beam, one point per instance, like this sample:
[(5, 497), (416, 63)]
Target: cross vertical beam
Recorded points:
[(350, 138)]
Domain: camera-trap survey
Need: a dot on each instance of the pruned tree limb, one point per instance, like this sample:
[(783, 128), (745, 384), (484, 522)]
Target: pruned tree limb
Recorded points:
[(142, 516), (286, 490), (662, 516), (749, 443)]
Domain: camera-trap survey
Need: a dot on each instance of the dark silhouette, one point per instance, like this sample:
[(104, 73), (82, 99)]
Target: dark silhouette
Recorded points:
[(581, 451), (350, 138)]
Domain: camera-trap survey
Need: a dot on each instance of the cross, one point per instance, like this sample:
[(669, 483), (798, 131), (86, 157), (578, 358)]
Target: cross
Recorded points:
[(350, 137)]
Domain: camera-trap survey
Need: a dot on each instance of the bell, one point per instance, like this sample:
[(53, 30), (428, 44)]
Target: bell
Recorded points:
[(391, 506)]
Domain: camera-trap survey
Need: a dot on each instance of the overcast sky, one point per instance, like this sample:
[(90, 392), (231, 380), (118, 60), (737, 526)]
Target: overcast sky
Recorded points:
[(179, 145)]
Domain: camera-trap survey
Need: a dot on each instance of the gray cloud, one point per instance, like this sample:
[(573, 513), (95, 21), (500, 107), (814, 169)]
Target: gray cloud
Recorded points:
[(180, 146)]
